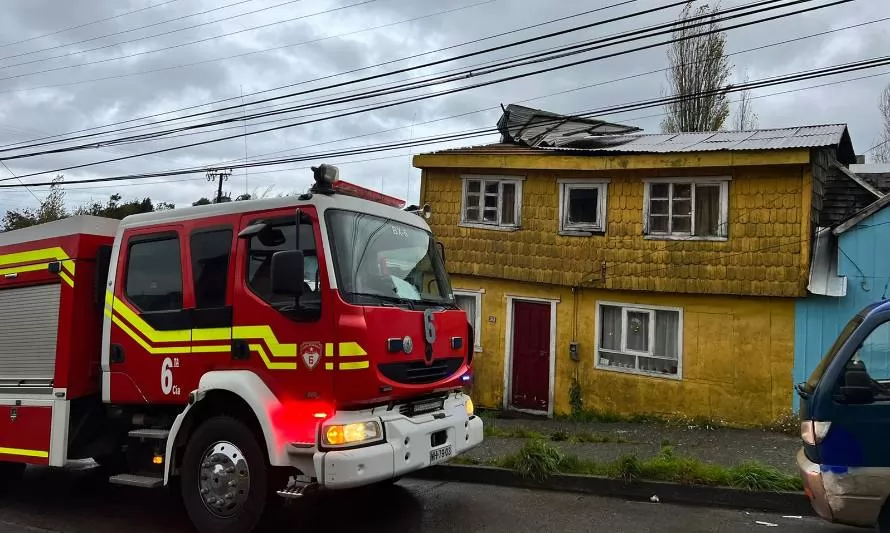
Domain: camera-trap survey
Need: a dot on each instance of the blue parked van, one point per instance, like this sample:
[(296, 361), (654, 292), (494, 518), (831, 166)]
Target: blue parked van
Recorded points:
[(845, 424)]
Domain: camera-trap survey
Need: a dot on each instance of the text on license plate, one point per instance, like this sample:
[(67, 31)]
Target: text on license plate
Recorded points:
[(441, 454)]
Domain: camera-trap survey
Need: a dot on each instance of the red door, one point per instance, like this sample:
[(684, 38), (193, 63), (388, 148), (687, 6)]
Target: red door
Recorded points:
[(531, 356)]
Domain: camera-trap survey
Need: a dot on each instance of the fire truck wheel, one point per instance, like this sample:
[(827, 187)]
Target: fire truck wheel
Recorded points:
[(224, 480)]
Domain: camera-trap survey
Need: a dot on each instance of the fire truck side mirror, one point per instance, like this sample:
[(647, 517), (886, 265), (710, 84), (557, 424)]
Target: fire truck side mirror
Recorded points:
[(287, 273)]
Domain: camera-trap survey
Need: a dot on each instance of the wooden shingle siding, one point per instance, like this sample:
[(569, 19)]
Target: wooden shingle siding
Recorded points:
[(764, 254)]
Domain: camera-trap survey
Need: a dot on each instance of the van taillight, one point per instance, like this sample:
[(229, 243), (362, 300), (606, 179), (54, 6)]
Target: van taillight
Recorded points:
[(812, 432)]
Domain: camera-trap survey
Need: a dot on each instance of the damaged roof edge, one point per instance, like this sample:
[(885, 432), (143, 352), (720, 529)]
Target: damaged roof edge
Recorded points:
[(537, 128)]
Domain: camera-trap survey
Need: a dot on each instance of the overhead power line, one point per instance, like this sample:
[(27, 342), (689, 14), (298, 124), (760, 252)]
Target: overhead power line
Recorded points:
[(641, 104), (180, 45), (458, 89), (586, 46), (35, 142), (122, 32), (84, 25)]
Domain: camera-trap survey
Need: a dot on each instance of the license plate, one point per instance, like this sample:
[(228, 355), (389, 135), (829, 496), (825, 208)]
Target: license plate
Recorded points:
[(441, 454)]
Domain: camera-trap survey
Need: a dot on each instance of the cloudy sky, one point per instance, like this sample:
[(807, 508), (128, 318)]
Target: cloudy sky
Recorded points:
[(63, 68)]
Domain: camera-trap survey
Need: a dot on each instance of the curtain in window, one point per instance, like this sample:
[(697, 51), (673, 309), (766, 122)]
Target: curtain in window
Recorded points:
[(610, 330), (508, 203), (637, 331), (707, 210), (667, 332)]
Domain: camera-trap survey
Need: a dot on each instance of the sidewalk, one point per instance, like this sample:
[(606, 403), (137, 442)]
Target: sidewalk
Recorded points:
[(609, 441)]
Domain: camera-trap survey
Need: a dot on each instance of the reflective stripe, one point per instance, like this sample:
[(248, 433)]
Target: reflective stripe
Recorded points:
[(351, 349), (147, 337), (24, 453), (357, 365), (258, 348), (36, 260)]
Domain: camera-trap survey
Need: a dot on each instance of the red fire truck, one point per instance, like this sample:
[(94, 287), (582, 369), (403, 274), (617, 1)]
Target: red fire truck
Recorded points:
[(250, 351)]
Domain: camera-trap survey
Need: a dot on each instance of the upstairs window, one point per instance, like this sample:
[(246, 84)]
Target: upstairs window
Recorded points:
[(582, 207), (694, 209), (492, 201)]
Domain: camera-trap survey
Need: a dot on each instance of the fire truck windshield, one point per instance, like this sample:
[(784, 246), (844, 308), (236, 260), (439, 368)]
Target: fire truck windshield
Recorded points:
[(382, 261)]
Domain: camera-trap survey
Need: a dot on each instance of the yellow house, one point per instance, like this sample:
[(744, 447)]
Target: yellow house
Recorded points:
[(635, 274)]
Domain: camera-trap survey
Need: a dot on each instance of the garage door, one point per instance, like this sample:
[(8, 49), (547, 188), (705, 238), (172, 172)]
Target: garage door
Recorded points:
[(29, 324)]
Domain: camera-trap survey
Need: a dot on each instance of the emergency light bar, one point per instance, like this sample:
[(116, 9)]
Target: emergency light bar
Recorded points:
[(327, 181)]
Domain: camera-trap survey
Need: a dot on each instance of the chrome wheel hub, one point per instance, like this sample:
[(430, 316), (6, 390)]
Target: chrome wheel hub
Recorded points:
[(224, 479)]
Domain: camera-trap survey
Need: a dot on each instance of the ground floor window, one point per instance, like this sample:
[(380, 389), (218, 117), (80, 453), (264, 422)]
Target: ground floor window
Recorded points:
[(471, 303), (640, 339)]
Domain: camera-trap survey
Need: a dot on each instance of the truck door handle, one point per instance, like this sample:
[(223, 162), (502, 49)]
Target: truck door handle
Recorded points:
[(116, 353), (240, 350)]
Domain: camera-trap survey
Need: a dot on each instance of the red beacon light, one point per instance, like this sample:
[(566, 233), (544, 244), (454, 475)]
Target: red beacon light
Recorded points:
[(327, 181)]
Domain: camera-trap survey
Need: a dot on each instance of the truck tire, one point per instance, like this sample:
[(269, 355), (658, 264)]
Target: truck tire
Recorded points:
[(224, 478)]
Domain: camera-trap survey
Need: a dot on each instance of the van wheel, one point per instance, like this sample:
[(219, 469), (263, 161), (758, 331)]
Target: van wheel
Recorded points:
[(224, 479)]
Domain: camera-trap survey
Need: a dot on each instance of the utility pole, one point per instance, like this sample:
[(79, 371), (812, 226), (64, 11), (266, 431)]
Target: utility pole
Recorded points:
[(220, 176)]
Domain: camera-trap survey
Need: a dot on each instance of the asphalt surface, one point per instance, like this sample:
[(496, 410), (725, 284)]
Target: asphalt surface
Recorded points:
[(78, 500)]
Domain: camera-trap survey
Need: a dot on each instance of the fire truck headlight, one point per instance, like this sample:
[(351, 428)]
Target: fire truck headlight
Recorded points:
[(338, 435), (470, 407)]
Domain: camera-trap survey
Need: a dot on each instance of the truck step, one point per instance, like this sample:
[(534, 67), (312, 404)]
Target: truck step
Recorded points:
[(149, 433), (297, 491), (132, 480)]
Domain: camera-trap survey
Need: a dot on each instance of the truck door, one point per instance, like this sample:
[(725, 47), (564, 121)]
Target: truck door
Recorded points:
[(151, 329), (283, 339)]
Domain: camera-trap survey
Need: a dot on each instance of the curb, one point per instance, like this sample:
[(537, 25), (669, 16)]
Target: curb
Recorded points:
[(792, 503)]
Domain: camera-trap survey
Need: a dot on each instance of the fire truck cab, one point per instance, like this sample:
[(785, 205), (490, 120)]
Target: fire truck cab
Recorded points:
[(255, 350)]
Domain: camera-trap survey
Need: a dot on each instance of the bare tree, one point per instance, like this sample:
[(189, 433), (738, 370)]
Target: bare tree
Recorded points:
[(699, 70), (882, 150), (745, 118)]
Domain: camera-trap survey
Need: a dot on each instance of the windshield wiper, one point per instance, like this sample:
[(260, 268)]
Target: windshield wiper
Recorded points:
[(386, 298)]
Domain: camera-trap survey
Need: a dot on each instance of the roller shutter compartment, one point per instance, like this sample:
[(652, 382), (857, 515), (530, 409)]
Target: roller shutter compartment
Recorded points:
[(29, 327)]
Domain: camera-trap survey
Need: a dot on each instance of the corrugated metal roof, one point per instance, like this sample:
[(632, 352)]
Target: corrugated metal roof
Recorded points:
[(538, 128), (831, 135)]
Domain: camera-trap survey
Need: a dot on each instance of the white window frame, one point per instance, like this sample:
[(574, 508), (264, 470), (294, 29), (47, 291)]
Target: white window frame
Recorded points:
[(498, 225), (582, 230), (723, 217), (625, 307), (477, 325)]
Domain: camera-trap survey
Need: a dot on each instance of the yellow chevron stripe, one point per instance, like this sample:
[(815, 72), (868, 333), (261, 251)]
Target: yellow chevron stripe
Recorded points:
[(181, 335), (265, 333), (351, 349), (211, 349), (42, 256), (24, 453), (258, 348), (329, 366), (147, 347), (356, 365), (329, 349), (66, 279)]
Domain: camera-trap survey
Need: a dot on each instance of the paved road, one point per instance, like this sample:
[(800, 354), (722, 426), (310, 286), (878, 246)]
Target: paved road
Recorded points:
[(80, 502)]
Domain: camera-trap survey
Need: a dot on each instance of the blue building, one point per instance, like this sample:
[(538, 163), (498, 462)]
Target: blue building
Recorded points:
[(850, 266)]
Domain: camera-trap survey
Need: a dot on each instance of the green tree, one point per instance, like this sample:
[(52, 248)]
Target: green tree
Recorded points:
[(115, 209), (51, 208)]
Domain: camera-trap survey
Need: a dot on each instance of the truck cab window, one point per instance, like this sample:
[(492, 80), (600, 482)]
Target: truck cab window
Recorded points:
[(154, 274), (210, 252), (280, 237)]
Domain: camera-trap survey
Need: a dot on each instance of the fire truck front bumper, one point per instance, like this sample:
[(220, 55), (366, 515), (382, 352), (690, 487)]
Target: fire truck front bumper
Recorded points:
[(408, 443)]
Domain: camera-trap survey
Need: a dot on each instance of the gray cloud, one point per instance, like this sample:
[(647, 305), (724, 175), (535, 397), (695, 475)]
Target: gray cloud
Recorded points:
[(340, 41)]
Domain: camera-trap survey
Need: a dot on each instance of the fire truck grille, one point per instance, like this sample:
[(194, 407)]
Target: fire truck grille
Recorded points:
[(416, 372)]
